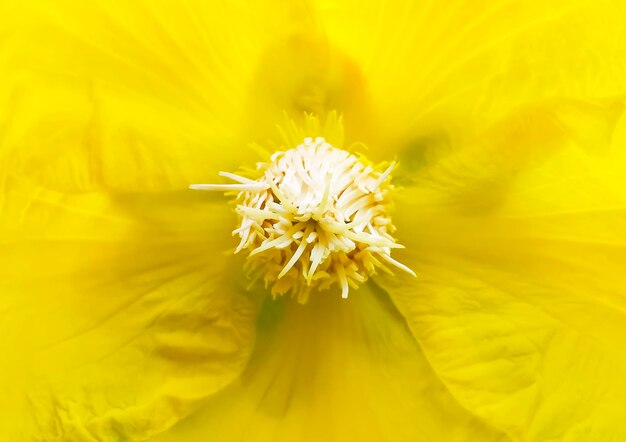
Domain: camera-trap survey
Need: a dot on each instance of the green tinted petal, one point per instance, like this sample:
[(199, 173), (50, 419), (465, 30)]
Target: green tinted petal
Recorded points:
[(334, 370)]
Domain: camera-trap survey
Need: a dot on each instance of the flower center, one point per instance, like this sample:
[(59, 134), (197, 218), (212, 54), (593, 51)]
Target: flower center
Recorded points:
[(316, 217)]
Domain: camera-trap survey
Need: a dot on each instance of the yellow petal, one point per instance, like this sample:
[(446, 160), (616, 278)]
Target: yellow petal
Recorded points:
[(478, 176), (334, 370), (519, 304), (461, 66), (119, 313), (151, 95)]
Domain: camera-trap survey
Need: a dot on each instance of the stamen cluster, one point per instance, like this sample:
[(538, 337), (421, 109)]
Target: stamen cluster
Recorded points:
[(315, 218)]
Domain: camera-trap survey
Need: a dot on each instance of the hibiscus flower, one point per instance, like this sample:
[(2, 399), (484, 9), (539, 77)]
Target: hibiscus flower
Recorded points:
[(499, 131)]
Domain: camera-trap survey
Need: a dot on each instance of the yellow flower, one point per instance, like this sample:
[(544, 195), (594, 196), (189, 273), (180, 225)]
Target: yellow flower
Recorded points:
[(124, 315)]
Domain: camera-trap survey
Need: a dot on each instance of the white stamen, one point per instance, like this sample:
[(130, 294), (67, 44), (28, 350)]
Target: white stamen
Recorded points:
[(315, 217), (257, 187)]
